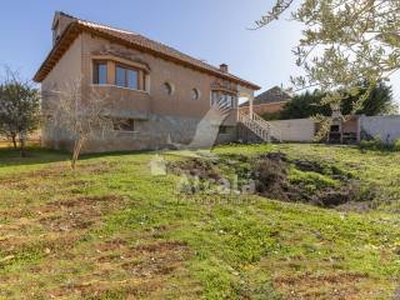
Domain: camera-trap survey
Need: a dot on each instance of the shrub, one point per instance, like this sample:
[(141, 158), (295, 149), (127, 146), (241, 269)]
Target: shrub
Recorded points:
[(396, 145), (377, 144)]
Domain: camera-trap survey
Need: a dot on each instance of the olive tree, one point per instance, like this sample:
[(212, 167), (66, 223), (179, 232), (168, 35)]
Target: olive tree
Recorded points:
[(344, 42), (19, 109)]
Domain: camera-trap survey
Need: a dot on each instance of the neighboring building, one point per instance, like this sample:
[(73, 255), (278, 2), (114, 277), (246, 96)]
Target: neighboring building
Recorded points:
[(161, 93), (270, 101)]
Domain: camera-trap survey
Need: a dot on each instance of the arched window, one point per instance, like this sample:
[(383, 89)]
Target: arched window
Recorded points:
[(169, 88), (195, 94)]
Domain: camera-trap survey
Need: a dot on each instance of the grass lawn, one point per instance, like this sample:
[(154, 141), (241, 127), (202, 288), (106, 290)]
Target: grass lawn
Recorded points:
[(111, 230)]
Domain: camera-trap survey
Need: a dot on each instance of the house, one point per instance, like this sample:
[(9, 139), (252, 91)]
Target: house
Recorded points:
[(270, 101), (160, 93)]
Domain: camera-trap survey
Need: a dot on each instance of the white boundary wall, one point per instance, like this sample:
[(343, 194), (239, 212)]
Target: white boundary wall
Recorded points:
[(386, 128), (296, 130)]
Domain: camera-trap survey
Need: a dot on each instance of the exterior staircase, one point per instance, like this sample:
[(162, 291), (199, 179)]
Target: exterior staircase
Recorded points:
[(261, 128)]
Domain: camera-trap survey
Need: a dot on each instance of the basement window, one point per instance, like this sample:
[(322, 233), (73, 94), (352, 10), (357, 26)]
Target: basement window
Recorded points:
[(127, 125), (100, 72), (223, 129)]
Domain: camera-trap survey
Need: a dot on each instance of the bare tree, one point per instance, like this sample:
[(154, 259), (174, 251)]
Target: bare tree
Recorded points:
[(82, 115)]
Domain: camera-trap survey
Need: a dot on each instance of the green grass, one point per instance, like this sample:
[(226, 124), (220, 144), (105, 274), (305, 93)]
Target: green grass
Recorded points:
[(111, 230)]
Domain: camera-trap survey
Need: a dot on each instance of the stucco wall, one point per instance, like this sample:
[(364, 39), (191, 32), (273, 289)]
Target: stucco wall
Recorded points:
[(386, 128), (298, 130), (69, 68), (154, 133), (180, 103), (67, 72)]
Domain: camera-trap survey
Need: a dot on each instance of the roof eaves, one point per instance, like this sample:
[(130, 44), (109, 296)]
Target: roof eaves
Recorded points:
[(78, 26)]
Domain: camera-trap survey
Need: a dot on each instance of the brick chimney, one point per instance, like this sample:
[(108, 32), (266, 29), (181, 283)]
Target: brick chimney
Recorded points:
[(224, 68), (60, 23)]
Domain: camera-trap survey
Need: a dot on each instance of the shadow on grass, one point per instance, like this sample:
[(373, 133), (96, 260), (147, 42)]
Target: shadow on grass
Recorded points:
[(34, 155), (38, 155)]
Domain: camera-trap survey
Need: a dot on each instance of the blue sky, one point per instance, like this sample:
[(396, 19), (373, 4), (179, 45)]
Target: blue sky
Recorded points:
[(212, 30)]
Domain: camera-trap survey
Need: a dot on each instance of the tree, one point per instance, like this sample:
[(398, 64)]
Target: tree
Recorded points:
[(83, 117), (307, 104), (379, 101), (19, 109), (344, 42)]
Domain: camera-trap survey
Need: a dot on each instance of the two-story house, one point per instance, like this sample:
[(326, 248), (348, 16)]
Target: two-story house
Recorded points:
[(160, 92)]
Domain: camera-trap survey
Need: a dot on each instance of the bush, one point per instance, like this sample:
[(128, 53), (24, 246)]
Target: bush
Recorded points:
[(396, 145), (377, 144), (272, 116)]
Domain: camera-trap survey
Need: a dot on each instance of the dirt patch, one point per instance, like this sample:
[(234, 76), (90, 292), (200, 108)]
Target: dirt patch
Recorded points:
[(277, 177), (335, 286), (142, 269), (199, 168), (97, 289), (160, 258), (77, 213), (57, 224), (12, 183)]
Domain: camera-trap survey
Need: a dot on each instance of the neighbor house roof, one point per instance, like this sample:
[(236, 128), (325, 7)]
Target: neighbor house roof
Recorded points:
[(274, 95), (132, 40)]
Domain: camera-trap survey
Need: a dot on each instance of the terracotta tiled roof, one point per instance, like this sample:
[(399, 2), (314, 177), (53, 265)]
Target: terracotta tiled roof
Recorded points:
[(133, 40), (274, 95)]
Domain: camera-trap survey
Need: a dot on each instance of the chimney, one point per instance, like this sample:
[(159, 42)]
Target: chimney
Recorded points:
[(224, 68), (60, 23)]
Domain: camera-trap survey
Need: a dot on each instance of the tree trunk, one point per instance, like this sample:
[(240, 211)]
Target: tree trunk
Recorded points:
[(14, 140), (77, 150), (22, 147)]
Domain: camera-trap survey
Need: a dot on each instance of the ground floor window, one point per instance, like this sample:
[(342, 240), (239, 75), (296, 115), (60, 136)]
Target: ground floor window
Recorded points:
[(122, 124)]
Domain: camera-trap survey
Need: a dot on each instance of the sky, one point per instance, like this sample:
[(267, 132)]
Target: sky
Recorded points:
[(212, 30)]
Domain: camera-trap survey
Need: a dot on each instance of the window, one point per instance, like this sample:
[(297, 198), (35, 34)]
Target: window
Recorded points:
[(100, 73), (126, 77), (214, 97), (224, 129), (195, 94), (169, 88), (124, 124), (224, 99)]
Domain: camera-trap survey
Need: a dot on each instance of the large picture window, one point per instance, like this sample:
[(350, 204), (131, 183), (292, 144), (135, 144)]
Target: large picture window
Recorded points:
[(127, 77), (100, 73)]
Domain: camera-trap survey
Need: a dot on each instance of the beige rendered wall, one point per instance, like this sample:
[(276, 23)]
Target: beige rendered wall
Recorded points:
[(69, 68), (161, 71), (68, 71), (298, 130)]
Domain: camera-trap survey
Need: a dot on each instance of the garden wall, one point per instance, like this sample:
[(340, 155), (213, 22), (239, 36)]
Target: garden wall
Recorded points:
[(386, 128), (297, 130)]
